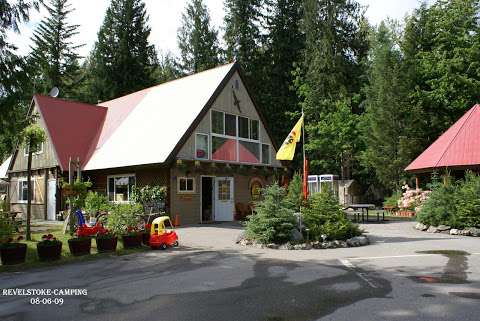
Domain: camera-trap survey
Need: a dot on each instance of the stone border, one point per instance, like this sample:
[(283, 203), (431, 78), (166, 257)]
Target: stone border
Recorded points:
[(469, 231), (352, 242)]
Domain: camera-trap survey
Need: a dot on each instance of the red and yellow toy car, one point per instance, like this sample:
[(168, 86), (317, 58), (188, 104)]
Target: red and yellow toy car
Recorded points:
[(162, 233)]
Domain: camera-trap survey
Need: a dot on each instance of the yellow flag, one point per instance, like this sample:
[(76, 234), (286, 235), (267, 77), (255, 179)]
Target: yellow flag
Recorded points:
[(287, 150)]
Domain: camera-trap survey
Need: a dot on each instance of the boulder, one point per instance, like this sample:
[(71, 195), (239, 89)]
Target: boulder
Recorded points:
[(273, 246), (286, 246), (454, 231), (474, 231), (442, 227), (242, 236), (432, 229), (296, 236), (465, 232), (360, 240), (421, 227), (317, 245)]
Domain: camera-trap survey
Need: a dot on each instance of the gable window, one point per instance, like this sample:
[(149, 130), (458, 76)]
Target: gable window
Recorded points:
[(248, 152), (186, 185), (217, 122), (230, 125), (224, 149), (120, 188), (243, 127), (254, 129), (265, 154), (35, 151), (201, 146), (23, 190)]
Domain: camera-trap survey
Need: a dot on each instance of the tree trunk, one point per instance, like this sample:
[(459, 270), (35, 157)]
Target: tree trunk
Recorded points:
[(28, 235)]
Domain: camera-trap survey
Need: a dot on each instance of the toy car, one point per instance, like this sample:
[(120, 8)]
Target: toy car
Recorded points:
[(162, 233)]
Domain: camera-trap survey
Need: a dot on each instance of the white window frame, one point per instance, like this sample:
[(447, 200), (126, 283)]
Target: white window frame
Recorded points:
[(20, 181), (186, 191), (40, 151), (207, 157), (237, 138), (114, 188)]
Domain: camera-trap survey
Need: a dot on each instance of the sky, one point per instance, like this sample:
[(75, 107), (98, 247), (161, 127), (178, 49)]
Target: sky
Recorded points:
[(165, 19)]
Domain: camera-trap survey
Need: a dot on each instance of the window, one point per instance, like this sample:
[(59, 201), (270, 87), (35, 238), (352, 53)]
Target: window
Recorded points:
[(249, 152), (217, 122), (186, 185), (120, 188), (201, 146), (36, 151), (23, 190), (254, 129), (265, 154), (224, 149), (230, 125), (243, 127)]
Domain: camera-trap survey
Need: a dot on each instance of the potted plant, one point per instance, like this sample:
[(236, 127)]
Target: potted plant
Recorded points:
[(106, 241), (11, 252), (80, 245), (124, 220), (49, 248)]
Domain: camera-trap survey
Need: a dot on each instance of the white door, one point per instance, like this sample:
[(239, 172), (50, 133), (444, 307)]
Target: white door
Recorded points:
[(52, 200), (223, 198)]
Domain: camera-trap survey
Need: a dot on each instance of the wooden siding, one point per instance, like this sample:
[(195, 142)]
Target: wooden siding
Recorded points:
[(46, 159), (224, 102)]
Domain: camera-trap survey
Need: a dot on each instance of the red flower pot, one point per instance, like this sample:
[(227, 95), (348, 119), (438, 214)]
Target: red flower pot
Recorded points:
[(50, 251), (13, 253), (80, 246)]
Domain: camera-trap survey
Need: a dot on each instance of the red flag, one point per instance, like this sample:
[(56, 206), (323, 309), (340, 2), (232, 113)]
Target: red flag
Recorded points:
[(305, 179)]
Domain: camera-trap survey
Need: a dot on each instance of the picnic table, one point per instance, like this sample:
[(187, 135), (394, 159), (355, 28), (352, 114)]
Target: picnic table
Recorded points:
[(362, 209)]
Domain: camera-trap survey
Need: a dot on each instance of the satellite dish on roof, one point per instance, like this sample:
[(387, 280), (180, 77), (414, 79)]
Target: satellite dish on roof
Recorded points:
[(54, 92)]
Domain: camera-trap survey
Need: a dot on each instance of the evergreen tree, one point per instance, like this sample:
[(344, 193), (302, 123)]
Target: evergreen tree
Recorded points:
[(167, 68), (242, 32), (329, 82), (53, 55), (197, 39), (388, 113), (122, 60)]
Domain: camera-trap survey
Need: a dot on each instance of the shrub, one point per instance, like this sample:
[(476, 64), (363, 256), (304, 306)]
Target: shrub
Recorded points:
[(125, 218), (149, 195), (324, 216), (393, 199), (274, 220), (468, 202), (7, 228), (295, 192), (96, 203), (440, 207)]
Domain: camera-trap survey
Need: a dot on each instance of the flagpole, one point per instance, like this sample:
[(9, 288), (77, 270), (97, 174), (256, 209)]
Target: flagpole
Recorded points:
[(305, 178)]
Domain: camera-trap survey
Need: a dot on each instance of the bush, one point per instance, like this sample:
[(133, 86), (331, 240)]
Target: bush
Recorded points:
[(468, 202), (124, 218), (149, 195), (273, 221), (440, 207), (295, 192), (96, 203), (393, 199), (324, 216), (7, 228)]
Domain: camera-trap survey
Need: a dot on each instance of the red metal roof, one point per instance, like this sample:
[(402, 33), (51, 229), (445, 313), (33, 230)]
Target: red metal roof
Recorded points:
[(458, 146), (73, 127)]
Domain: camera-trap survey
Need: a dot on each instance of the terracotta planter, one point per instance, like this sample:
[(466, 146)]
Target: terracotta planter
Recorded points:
[(80, 246), (14, 253), (106, 244), (132, 241), (146, 238), (406, 213), (49, 252)]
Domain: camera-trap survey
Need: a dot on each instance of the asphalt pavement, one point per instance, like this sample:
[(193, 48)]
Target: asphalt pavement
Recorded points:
[(403, 275)]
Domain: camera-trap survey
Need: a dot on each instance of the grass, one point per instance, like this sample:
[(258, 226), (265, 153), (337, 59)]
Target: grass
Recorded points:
[(32, 258), (372, 215)]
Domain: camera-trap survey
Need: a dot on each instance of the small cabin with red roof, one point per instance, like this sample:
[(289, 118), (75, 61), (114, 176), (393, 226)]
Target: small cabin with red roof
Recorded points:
[(201, 136), (457, 149)]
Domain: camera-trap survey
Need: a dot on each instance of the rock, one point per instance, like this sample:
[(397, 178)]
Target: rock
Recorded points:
[(454, 231), (286, 246), (273, 246), (307, 246), (432, 229), (317, 245), (296, 236), (242, 236), (465, 232), (360, 240), (421, 227), (342, 244), (474, 231), (442, 228), (298, 246), (245, 242)]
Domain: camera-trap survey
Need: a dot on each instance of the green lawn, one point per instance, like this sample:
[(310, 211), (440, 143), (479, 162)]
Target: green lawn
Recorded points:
[(32, 258)]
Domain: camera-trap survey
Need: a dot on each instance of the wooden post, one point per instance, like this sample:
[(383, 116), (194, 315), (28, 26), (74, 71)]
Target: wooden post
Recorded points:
[(28, 235), (45, 194), (417, 182)]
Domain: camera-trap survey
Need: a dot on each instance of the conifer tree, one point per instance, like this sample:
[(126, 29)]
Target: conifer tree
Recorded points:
[(53, 55), (197, 39), (122, 60)]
